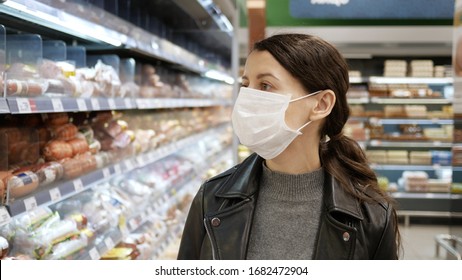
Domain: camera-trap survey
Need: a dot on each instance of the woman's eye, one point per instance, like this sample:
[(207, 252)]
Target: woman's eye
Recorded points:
[(265, 87)]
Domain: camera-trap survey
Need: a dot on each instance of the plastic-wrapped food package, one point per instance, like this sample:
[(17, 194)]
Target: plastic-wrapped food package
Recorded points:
[(56, 150), (67, 248), (22, 184), (49, 172)]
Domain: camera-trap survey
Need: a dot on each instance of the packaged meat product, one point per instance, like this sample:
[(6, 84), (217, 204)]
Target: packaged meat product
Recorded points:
[(60, 87), (56, 119), (24, 88), (22, 184), (64, 132), (56, 150), (49, 173), (87, 162), (43, 136), (72, 168), (49, 69), (78, 145), (2, 193), (95, 147), (87, 132)]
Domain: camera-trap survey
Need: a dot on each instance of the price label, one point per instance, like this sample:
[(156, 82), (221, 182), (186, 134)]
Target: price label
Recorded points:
[(106, 173), (55, 194), (57, 105), (95, 104), (140, 161), (142, 103), (94, 254), (81, 104), (5, 217), (78, 185), (23, 105), (30, 203), (128, 103), (129, 164), (111, 103), (109, 243), (117, 169)]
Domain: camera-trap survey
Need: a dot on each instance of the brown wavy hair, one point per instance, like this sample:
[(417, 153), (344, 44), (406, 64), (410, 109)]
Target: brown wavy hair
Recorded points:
[(318, 65)]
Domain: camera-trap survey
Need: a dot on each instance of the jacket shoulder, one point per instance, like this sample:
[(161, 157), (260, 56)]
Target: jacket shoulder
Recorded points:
[(222, 175)]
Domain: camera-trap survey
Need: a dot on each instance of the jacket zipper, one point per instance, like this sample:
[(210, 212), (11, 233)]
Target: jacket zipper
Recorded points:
[(207, 229)]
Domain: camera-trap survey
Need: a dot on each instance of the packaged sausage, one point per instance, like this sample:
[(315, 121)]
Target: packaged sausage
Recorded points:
[(23, 88), (56, 150), (87, 162), (72, 168), (64, 132), (49, 173), (95, 147), (56, 119), (21, 184), (78, 145), (87, 132)]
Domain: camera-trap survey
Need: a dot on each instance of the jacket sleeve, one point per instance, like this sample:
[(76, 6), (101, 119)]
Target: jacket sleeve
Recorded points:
[(194, 230), (387, 248)]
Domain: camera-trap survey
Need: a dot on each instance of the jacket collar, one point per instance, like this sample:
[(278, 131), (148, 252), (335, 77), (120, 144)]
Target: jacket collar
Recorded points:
[(244, 181)]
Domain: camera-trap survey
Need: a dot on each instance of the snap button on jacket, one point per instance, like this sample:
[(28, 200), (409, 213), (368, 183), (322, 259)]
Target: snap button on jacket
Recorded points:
[(221, 215)]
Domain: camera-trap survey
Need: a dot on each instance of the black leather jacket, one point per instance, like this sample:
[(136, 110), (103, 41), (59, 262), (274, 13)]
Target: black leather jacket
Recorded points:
[(220, 218)]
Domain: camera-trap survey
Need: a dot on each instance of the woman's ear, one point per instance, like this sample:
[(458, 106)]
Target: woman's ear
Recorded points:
[(325, 103)]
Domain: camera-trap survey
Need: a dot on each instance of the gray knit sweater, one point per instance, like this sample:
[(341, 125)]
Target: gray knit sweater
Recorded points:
[(287, 215)]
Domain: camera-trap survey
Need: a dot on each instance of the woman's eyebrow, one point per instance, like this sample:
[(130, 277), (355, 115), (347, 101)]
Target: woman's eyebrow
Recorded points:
[(259, 76)]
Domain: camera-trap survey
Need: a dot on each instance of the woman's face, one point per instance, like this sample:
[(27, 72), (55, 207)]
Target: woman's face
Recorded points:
[(263, 72)]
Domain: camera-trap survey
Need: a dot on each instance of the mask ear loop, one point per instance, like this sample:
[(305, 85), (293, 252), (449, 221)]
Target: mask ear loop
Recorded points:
[(308, 95)]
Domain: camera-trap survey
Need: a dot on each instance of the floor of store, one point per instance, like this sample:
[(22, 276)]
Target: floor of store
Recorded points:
[(419, 242)]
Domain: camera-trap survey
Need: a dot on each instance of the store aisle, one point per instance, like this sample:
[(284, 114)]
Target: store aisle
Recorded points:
[(419, 241)]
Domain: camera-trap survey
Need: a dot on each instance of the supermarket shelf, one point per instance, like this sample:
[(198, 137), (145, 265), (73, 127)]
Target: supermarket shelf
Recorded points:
[(148, 103), (409, 144), (434, 202), (67, 189), (4, 108), (359, 100), (411, 80), (19, 105), (108, 33), (105, 244), (412, 121), (379, 100), (427, 195), (358, 80), (412, 167)]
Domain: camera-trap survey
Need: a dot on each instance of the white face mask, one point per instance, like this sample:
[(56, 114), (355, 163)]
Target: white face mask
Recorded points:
[(259, 121)]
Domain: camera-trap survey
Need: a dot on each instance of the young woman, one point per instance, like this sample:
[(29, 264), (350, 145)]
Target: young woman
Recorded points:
[(307, 192)]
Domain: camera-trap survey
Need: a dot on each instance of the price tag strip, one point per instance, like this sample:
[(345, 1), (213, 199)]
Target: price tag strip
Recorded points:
[(57, 105), (5, 217), (55, 194), (82, 105), (78, 185), (94, 254), (30, 203)]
